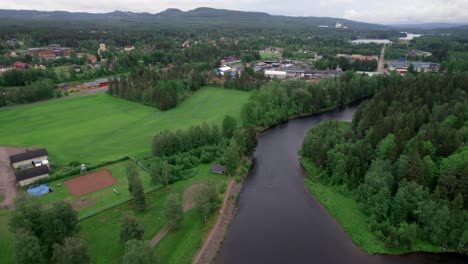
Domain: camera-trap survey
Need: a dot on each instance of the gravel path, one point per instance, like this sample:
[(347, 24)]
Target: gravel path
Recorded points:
[(212, 243), (8, 187)]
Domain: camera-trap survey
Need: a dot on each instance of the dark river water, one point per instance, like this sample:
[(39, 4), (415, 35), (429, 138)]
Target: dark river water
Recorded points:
[(279, 221)]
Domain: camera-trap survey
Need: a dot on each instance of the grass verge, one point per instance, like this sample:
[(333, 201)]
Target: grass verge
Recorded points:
[(345, 209)]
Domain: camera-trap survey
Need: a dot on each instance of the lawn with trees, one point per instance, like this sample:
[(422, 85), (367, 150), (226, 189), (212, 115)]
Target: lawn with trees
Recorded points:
[(100, 127)]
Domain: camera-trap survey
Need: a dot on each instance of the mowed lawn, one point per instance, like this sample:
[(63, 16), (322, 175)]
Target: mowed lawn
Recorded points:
[(101, 232), (101, 127), (101, 198)]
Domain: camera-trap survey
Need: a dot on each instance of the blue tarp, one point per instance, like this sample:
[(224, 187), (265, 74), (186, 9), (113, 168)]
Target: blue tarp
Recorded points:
[(39, 190)]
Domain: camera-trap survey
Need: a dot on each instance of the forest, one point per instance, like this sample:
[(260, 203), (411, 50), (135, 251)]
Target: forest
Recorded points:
[(278, 101), (404, 159)]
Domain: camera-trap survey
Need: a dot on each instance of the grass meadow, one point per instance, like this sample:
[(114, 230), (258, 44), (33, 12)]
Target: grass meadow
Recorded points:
[(99, 127)]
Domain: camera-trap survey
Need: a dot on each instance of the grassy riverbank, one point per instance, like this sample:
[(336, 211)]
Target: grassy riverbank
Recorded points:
[(344, 209)]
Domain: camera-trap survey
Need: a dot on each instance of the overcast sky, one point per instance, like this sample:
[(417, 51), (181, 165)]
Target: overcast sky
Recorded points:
[(378, 11)]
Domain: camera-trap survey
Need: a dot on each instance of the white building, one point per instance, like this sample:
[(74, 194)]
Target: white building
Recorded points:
[(224, 69), (366, 41), (276, 74)]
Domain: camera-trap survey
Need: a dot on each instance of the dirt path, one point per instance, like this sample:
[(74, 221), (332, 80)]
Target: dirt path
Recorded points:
[(211, 245), (8, 187), (380, 67), (188, 203)]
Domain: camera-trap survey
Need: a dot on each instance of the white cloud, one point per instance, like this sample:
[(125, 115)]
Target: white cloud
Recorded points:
[(414, 11)]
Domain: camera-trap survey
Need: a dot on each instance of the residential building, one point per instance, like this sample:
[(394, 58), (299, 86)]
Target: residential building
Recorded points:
[(20, 65), (219, 169)]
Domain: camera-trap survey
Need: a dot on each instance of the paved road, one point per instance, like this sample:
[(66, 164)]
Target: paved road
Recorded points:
[(380, 67)]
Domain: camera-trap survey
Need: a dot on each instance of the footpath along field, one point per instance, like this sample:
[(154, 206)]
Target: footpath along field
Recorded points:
[(99, 127)]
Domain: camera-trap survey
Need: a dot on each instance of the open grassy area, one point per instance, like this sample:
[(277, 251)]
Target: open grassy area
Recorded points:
[(346, 211), (269, 56), (6, 238), (98, 199), (101, 232), (99, 127), (180, 245)]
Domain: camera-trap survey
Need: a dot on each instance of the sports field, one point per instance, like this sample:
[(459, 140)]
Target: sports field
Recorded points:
[(100, 127)]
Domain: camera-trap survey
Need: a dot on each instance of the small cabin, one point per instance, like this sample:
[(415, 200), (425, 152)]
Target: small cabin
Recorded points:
[(219, 169)]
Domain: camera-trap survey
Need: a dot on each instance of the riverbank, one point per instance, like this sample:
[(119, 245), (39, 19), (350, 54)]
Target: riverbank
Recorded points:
[(346, 211), (215, 238)]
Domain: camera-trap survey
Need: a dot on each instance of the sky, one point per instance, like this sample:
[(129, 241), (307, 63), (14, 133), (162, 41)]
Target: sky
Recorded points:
[(375, 11)]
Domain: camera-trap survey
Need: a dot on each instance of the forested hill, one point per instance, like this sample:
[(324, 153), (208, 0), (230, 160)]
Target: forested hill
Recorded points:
[(406, 159), (200, 17)]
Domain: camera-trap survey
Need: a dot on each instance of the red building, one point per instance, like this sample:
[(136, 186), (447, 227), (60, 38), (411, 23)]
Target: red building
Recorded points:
[(20, 65)]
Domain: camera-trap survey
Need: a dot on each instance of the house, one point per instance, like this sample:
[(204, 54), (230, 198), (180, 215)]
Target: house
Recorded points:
[(90, 85), (219, 169), (276, 74), (20, 65), (224, 70), (102, 48), (68, 87), (6, 68), (12, 54), (29, 158), (91, 58), (129, 48), (28, 176), (103, 82), (186, 44)]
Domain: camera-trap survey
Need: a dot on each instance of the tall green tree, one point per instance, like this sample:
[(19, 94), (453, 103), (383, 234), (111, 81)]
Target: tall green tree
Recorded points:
[(207, 199), (173, 210), (131, 228), (232, 157), (27, 248), (229, 126), (135, 187), (138, 252), (73, 251)]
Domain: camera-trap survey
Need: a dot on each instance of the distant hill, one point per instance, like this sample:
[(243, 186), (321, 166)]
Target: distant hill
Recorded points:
[(429, 26), (198, 17)]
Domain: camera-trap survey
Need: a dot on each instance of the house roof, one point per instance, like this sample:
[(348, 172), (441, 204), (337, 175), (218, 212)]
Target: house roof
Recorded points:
[(32, 172), (28, 155), (218, 168)]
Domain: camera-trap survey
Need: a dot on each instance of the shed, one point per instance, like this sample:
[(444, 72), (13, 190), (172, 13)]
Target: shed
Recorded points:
[(28, 158), (25, 177), (219, 169)]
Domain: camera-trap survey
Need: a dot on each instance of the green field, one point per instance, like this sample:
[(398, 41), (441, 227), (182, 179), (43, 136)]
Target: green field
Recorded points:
[(269, 56), (346, 211), (6, 238), (101, 232), (99, 127), (98, 199)]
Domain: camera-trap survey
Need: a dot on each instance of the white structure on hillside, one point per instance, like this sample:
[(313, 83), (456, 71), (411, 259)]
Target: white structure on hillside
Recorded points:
[(276, 74)]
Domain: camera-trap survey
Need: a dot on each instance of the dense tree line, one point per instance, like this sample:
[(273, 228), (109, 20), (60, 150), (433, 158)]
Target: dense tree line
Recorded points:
[(22, 77), (405, 158), (331, 63), (35, 91), (44, 234), (155, 88), (278, 101)]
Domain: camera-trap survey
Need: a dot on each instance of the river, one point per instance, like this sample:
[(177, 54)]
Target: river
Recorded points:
[(279, 221)]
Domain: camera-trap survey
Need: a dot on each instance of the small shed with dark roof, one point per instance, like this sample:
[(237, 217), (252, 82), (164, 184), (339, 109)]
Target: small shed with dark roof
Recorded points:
[(220, 169), (28, 157), (25, 177)]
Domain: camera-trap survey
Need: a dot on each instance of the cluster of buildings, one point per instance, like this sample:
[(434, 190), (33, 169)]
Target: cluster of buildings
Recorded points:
[(16, 66), (52, 51), (30, 166), (289, 69), (419, 53), (368, 41), (354, 57), (402, 66), (67, 87)]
